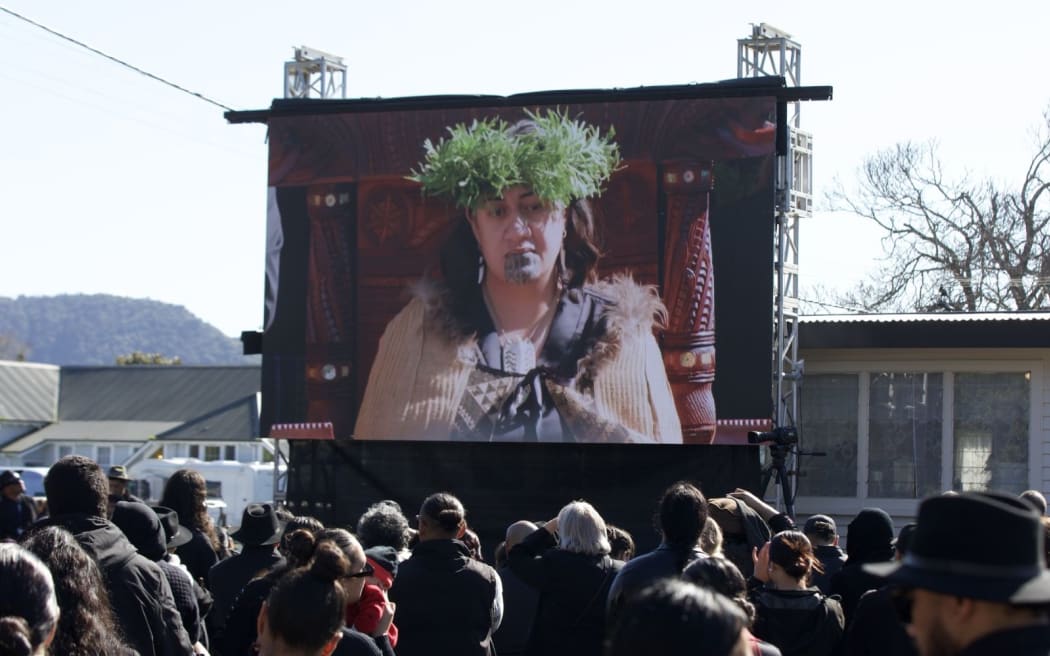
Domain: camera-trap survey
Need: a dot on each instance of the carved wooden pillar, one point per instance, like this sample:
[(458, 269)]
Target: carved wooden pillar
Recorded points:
[(689, 292), (330, 302)]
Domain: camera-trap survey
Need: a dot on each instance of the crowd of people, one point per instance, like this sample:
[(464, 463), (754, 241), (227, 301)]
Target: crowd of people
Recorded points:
[(105, 574)]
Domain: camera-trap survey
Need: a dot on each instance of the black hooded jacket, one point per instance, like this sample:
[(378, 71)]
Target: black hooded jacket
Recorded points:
[(445, 601), (138, 589), (799, 622)]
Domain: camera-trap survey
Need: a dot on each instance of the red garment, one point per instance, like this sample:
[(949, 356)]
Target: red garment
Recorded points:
[(365, 614)]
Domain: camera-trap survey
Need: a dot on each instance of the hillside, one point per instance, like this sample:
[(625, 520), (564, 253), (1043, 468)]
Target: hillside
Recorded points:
[(79, 329)]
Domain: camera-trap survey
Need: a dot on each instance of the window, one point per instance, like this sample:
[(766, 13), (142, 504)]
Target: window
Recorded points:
[(991, 431), (231, 452), (194, 451), (919, 432), (829, 425), (904, 434), (211, 453), (104, 456), (65, 450)]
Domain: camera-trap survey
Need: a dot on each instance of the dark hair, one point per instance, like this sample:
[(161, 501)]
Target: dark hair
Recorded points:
[(903, 544), (76, 484), (300, 547), (793, 551), (347, 543), (307, 606), (87, 626), (720, 575), (185, 493), (383, 525), (620, 542), (27, 593), (444, 512), (16, 638), (306, 523), (673, 617), (681, 514)]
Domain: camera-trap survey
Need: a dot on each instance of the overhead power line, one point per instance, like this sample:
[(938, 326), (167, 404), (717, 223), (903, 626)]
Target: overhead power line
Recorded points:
[(116, 60)]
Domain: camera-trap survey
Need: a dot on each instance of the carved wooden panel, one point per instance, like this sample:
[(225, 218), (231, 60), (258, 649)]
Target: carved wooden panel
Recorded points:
[(689, 292), (330, 329), (399, 236)]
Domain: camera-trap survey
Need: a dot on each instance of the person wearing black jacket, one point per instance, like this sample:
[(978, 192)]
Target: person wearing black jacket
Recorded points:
[(573, 573), (790, 614), (447, 602), (966, 595), (142, 526), (875, 629), (519, 598), (259, 534), (869, 539), (823, 534), (681, 514), (17, 511), (77, 493)]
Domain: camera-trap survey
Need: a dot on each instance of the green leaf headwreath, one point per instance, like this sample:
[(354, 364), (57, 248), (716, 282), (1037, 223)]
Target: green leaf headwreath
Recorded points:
[(560, 161)]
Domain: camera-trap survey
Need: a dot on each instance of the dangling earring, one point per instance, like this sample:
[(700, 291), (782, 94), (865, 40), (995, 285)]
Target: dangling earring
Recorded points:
[(481, 269), (561, 257)]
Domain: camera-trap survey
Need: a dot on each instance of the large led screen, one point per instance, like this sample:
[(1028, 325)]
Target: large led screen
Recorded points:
[(528, 271)]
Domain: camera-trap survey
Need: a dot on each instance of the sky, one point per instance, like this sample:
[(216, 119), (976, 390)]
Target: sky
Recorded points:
[(112, 182)]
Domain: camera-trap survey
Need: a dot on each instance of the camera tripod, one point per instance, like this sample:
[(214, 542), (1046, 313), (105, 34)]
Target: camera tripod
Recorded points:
[(777, 467), (778, 453)]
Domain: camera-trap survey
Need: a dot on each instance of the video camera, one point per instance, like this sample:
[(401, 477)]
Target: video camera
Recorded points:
[(779, 436)]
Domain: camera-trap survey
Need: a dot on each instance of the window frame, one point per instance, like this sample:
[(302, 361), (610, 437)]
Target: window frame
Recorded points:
[(864, 367)]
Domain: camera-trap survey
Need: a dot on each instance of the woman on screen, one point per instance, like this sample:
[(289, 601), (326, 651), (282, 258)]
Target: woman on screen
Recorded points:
[(518, 341)]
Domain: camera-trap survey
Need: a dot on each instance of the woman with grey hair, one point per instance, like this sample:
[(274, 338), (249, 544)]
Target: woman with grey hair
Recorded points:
[(567, 561)]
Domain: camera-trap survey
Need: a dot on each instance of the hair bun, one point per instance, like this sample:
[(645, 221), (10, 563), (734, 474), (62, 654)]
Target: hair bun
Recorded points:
[(301, 545), (329, 563), (15, 637)]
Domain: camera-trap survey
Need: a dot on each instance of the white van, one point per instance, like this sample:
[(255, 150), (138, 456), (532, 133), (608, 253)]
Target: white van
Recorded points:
[(231, 485)]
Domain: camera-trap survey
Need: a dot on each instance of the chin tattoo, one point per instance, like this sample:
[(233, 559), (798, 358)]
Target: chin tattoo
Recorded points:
[(520, 268)]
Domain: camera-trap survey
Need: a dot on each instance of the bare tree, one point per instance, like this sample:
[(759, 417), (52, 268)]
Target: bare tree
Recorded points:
[(953, 244)]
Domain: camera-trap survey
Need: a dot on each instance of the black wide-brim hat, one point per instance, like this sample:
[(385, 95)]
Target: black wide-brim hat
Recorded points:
[(176, 534), (951, 551), (259, 526), (9, 477)]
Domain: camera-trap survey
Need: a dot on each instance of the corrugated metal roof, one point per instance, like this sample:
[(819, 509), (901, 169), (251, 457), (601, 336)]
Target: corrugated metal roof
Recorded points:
[(933, 330), (928, 316), (28, 392), (152, 393), (235, 421), (92, 431)]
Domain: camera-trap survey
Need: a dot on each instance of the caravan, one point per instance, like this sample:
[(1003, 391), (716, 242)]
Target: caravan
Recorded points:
[(231, 485)]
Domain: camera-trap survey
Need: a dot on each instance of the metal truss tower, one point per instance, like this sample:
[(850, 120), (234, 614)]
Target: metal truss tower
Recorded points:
[(772, 52), (314, 74)]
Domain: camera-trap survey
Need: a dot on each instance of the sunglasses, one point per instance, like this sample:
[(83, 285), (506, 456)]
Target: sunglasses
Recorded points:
[(902, 600), (368, 570)]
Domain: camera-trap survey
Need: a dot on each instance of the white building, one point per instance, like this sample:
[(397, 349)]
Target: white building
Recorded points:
[(120, 415), (906, 406)]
